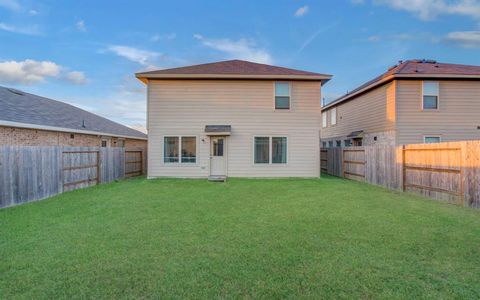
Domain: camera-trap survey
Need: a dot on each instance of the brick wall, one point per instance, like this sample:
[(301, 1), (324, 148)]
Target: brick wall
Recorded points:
[(34, 137)]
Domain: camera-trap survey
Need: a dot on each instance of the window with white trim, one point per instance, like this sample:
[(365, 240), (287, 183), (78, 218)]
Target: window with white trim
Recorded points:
[(179, 149), (432, 139), (430, 95), (324, 119), (282, 95), (270, 150), (333, 116)]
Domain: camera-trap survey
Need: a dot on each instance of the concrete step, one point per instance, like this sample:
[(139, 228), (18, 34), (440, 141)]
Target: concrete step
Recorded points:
[(217, 178)]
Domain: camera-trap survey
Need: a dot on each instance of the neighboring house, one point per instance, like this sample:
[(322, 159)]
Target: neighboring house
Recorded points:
[(30, 120), (416, 101), (233, 118)]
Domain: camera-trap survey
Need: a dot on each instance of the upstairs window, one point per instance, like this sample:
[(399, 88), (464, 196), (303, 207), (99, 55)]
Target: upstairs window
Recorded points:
[(333, 116), (282, 95), (430, 95), (324, 119)]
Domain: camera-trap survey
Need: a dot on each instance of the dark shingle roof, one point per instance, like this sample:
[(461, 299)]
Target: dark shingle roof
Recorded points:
[(22, 107), (232, 68), (417, 68)]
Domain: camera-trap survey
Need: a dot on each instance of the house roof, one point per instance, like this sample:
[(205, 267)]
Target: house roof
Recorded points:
[(417, 68), (21, 109), (233, 69)]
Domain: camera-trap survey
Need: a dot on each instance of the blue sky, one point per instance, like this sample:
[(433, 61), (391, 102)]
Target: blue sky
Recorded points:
[(86, 52)]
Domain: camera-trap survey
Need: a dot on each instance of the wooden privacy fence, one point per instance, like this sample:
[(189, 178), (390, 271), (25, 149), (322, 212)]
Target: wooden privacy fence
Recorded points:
[(445, 171), (34, 173)]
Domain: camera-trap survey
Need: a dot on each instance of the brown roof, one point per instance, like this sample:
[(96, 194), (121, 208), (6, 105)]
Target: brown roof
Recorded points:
[(234, 69), (417, 68)]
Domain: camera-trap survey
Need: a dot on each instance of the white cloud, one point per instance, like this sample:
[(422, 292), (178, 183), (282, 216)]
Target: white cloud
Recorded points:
[(76, 77), (466, 39), (143, 57), (11, 5), (162, 37), (81, 26), (28, 71), (241, 49), (301, 11), (33, 30), (31, 71), (430, 9), (33, 12)]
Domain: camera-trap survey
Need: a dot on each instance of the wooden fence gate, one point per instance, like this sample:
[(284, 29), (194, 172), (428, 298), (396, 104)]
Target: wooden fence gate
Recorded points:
[(81, 168), (434, 172), (133, 163), (353, 163)]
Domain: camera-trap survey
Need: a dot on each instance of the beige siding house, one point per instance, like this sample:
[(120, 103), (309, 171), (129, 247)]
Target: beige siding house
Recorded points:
[(233, 118), (416, 101)]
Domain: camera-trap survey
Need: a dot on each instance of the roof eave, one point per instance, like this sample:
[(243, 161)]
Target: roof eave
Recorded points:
[(62, 129), (321, 77), (359, 92)]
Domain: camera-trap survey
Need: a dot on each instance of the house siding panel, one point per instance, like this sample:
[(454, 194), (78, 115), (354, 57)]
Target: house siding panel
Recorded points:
[(457, 118), (185, 107)]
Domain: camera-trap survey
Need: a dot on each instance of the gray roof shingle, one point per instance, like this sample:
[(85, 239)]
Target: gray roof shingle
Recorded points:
[(22, 107)]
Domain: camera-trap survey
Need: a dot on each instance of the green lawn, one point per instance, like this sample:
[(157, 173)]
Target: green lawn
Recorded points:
[(285, 238)]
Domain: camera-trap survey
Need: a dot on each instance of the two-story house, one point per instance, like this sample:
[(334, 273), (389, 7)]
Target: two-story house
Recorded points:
[(416, 101), (233, 118)]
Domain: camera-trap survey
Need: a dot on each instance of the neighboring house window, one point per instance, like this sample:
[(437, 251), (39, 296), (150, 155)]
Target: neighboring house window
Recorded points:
[(189, 149), (333, 116), (324, 119), (282, 95), (330, 144), (339, 143), (324, 144), (347, 143), (430, 95), (431, 139), (121, 143), (180, 149), (104, 143), (270, 150)]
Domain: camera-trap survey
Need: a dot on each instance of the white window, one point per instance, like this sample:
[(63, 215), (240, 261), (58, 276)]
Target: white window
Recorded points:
[(179, 149), (282, 95), (432, 139), (270, 150), (430, 95), (333, 116), (324, 119)]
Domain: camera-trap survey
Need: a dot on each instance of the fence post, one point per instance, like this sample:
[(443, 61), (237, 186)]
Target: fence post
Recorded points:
[(404, 169)]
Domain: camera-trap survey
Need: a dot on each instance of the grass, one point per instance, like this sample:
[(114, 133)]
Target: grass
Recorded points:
[(285, 238)]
